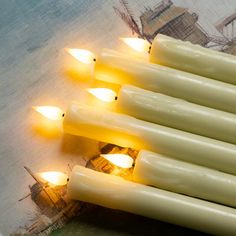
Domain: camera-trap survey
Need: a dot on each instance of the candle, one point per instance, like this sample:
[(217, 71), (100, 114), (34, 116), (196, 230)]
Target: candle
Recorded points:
[(176, 113), (116, 193), (193, 58), (181, 177), (127, 131), (116, 68)]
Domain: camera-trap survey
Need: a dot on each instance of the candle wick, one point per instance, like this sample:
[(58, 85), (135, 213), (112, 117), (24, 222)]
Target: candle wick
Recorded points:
[(94, 59), (63, 115), (67, 179), (116, 97), (149, 49)]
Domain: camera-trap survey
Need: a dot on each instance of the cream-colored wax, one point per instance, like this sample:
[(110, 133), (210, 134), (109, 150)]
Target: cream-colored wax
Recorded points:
[(128, 131), (182, 177), (114, 192), (193, 58), (177, 113), (117, 68)]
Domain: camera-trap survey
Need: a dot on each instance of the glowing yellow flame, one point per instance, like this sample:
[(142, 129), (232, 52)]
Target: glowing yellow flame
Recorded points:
[(137, 44), (81, 55), (104, 94), (53, 177), (51, 112), (121, 160)]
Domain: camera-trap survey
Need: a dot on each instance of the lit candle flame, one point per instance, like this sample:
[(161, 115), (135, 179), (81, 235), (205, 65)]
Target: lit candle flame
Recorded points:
[(50, 112), (81, 55), (53, 177), (121, 160), (137, 44), (104, 94)]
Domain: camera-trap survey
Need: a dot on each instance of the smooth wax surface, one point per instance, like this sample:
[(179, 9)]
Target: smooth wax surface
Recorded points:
[(127, 131), (116, 68), (177, 113), (116, 193), (193, 58), (182, 177)]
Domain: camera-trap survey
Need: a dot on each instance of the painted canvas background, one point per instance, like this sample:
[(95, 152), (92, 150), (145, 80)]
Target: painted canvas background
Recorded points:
[(33, 71)]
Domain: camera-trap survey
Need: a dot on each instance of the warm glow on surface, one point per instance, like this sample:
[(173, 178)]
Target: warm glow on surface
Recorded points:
[(50, 112), (104, 94), (81, 55), (137, 44), (121, 160), (53, 177)]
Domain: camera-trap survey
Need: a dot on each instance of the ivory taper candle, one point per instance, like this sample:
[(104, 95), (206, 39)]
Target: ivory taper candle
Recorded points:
[(176, 113), (182, 177), (114, 67), (193, 58), (114, 192), (128, 131)]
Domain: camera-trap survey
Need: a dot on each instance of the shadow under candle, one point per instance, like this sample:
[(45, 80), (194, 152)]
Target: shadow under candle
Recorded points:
[(96, 220), (76, 145)]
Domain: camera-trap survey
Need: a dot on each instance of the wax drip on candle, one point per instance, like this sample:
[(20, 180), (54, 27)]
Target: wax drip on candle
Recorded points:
[(120, 160), (138, 44), (103, 94)]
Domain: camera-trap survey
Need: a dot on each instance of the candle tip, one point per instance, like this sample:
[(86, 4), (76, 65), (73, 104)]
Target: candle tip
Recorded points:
[(82, 55), (53, 177), (138, 44), (104, 94), (50, 112), (120, 160)]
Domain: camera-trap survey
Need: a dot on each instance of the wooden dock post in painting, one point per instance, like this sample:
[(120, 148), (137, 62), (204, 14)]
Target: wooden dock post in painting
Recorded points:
[(227, 28), (165, 18), (179, 22)]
